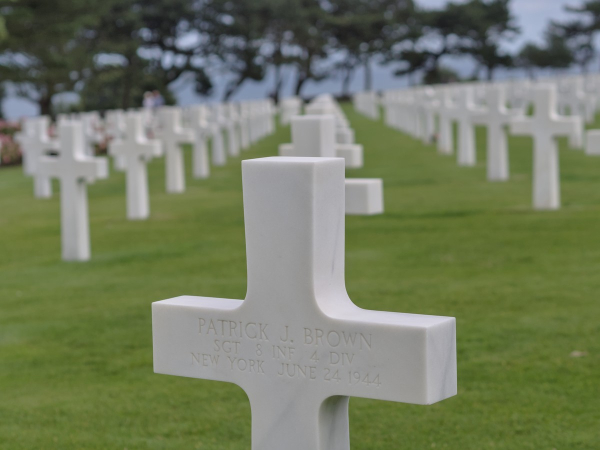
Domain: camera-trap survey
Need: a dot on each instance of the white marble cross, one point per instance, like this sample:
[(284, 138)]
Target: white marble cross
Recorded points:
[(217, 142), (26, 137), (464, 113), (430, 103), (35, 143), (91, 122), (496, 116), (230, 121), (445, 106), (315, 135), (244, 126), (74, 169), (544, 127), (136, 150), (116, 129), (173, 136), (288, 108), (592, 143), (202, 130), (297, 345)]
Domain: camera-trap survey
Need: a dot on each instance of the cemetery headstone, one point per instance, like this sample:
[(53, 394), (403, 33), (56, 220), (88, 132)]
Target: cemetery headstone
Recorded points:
[(74, 168), (202, 129), (314, 136), (464, 112), (544, 127), (496, 116), (136, 150), (35, 143), (173, 136), (445, 107), (297, 345), (592, 143)]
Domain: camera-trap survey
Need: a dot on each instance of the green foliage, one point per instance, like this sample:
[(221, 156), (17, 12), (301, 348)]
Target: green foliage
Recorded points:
[(236, 33), (555, 54), (45, 52), (579, 34), (76, 342), (309, 43), (362, 28), (109, 51), (97, 46), (108, 89), (475, 28), (442, 75), (137, 43), (486, 23)]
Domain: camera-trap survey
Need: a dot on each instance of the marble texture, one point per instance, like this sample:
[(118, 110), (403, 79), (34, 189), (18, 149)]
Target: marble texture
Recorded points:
[(344, 135), (74, 168), (364, 196), (496, 117), (136, 150), (201, 129), (352, 154), (116, 129), (173, 136), (315, 135), (35, 144), (297, 345), (445, 142), (464, 112), (544, 127), (592, 143), (288, 108)]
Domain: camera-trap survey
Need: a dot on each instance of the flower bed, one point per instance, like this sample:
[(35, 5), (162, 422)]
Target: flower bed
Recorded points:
[(10, 151)]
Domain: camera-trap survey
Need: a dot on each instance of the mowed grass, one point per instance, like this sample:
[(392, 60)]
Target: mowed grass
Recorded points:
[(75, 339)]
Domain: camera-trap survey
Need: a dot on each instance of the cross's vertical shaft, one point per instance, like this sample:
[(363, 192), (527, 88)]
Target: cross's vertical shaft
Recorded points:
[(75, 227), (294, 214), (302, 421), (74, 220), (138, 203)]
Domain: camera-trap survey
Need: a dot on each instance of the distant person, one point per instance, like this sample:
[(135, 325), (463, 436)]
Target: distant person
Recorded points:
[(158, 99), (148, 102)]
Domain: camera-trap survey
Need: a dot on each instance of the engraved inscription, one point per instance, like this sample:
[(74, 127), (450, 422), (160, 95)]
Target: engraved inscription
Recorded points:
[(298, 353)]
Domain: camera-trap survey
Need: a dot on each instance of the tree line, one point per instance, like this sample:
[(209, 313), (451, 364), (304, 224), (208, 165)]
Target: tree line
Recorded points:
[(111, 51)]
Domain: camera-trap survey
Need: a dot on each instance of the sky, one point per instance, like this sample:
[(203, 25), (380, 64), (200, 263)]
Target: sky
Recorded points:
[(532, 17)]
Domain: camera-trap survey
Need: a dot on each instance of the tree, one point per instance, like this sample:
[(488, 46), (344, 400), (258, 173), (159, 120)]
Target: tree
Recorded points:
[(109, 88), (309, 44), (138, 46), (236, 38), (360, 28), (278, 35), (428, 36), (553, 55), (476, 28), (45, 51), (579, 34), (484, 25)]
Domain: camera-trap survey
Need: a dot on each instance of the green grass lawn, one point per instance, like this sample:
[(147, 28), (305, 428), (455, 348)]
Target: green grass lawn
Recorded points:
[(75, 339)]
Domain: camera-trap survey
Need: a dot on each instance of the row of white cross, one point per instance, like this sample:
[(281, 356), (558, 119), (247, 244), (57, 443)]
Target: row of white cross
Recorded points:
[(70, 156), (297, 344), (430, 112)]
